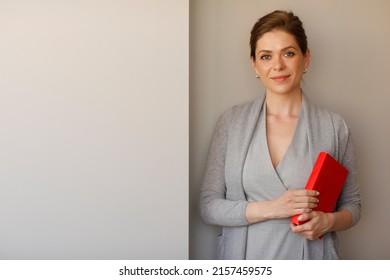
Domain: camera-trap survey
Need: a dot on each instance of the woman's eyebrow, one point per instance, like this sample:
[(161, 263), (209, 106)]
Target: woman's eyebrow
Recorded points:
[(285, 48)]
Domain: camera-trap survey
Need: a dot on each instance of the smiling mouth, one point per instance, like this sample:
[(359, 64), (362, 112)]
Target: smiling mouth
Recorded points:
[(280, 78)]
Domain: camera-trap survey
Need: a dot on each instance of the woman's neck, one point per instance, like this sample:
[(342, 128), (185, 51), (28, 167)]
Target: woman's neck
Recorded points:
[(284, 105)]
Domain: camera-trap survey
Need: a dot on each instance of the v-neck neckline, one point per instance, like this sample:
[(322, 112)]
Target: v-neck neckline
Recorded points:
[(293, 139)]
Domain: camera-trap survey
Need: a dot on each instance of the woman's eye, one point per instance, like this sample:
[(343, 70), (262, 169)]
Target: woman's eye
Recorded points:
[(289, 54), (265, 57)]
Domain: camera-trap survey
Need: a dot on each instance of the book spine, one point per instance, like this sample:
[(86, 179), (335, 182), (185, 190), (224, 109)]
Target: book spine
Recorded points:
[(316, 171)]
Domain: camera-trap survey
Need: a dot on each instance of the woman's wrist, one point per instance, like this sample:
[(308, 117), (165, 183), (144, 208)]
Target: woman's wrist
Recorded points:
[(258, 212), (331, 221)]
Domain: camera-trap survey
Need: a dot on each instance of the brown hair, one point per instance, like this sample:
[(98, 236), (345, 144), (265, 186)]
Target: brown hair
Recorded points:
[(278, 20)]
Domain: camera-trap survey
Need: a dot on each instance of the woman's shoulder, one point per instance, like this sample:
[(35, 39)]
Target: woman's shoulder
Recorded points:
[(239, 116), (339, 124), (244, 110), (338, 120), (322, 112)]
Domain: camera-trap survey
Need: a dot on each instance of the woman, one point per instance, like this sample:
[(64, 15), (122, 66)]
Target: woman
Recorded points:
[(262, 153)]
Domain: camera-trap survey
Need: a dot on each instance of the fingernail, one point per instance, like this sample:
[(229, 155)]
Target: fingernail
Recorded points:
[(317, 193), (300, 218)]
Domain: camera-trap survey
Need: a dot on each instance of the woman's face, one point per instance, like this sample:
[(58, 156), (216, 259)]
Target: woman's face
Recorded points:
[(279, 62)]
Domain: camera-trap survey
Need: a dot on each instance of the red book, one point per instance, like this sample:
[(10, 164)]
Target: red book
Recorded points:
[(327, 177)]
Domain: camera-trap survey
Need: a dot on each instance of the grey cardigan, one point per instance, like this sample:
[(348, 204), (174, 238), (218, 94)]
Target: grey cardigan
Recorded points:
[(223, 200)]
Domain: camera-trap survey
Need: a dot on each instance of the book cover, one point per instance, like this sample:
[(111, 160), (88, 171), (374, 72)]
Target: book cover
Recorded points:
[(327, 177)]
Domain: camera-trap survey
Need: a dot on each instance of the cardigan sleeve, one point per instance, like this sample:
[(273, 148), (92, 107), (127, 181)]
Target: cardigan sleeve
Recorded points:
[(349, 198), (215, 208)]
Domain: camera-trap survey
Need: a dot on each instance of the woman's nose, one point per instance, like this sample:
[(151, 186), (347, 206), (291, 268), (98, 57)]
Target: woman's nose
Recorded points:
[(279, 64)]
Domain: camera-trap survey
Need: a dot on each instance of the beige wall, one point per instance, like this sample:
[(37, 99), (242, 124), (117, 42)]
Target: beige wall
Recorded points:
[(349, 43), (94, 129)]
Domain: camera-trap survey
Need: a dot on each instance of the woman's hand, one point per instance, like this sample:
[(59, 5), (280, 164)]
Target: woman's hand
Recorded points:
[(290, 203), (318, 223), (294, 202)]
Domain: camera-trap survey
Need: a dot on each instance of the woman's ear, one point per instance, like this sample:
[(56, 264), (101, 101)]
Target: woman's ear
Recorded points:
[(253, 63), (307, 59)]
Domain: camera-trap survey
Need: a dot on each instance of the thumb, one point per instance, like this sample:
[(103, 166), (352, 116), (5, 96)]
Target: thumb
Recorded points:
[(305, 217)]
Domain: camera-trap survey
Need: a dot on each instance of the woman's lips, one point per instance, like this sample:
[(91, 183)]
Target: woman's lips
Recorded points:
[(281, 78)]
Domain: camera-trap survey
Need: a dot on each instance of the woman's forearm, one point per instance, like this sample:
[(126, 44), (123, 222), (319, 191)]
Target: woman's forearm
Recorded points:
[(340, 220)]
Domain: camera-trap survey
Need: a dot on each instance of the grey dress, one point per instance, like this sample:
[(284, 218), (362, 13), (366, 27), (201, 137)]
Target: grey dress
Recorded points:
[(223, 200), (273, 239)]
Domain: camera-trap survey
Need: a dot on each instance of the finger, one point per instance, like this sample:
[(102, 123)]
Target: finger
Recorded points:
[(306, 199), (305, 192), (313, 193), (298, 229), (305, 231), (300, 211), (303, 217), (301, 192), (305, 205)]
